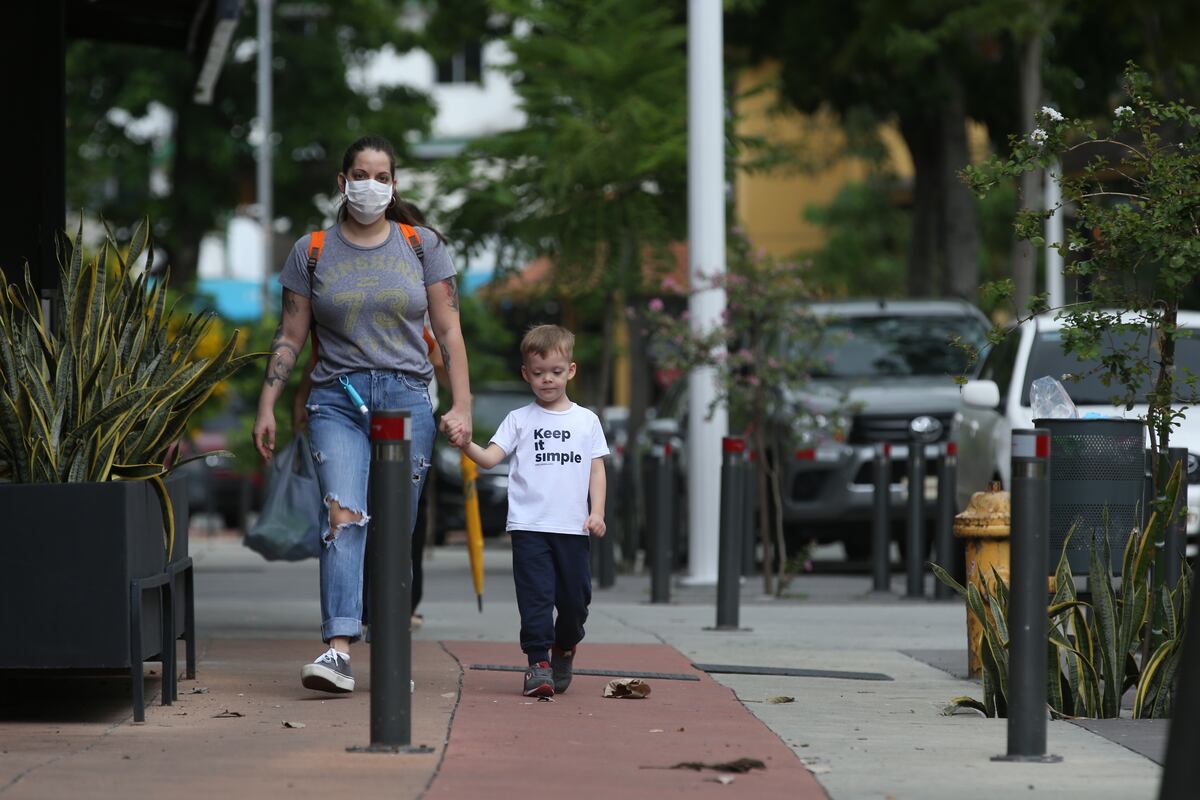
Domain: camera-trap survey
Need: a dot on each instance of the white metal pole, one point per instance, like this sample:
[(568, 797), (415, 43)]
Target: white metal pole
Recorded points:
[(706, 261), (1054, 236), (265, 211)]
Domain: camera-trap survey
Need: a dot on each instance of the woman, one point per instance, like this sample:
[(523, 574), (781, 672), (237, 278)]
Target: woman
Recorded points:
[(366, 300)]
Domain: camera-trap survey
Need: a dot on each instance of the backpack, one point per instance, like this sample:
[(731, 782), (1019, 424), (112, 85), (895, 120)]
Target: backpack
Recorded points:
[(316, 243)]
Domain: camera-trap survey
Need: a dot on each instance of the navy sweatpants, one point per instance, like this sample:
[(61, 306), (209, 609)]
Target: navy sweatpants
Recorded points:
[(551, 570)]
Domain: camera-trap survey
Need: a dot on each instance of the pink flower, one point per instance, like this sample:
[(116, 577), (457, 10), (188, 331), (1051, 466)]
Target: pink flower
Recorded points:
[(808, 565), (753, 380), (655, 305), (669, 285)]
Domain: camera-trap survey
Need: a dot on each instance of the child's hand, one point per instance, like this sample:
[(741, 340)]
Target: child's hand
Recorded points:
[(595, 525)]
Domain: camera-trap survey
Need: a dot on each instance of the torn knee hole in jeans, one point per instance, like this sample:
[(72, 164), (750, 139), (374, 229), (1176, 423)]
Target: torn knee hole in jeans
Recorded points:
[(422, 467), (335, 529), (319, 457)]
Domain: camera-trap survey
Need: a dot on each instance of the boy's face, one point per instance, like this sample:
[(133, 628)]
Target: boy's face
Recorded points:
[(548, 375)]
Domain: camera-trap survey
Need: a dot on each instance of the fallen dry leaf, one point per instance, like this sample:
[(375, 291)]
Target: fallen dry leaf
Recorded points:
[(227, 714), (627, 688), (198, 690), (780, 698), (287, 724)]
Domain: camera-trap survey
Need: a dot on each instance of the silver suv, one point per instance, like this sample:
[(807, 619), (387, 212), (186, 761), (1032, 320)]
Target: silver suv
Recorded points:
[(888, 362)]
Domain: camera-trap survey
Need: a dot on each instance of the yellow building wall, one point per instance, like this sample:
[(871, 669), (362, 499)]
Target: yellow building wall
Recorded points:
[(770, 206)]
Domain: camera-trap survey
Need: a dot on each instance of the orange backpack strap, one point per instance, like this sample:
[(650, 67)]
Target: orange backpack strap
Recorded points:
[(414, 240), (316, 242)]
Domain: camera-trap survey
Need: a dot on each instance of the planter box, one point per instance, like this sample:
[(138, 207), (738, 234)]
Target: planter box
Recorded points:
[(70, 556)]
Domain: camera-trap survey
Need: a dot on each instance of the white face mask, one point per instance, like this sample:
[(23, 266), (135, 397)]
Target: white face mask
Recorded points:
[(367, 200)]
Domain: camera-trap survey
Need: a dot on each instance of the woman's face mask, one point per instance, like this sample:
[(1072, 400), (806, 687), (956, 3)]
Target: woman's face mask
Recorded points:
[(367, 199)]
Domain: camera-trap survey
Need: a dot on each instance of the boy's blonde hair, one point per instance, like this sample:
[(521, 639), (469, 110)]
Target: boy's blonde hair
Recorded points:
[(546, 339)]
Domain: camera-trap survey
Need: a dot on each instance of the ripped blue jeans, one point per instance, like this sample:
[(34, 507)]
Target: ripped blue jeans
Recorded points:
[(339, 434)]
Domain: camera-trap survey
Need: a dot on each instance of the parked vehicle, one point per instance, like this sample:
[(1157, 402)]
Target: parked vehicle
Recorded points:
[(998, 401), (219, 484), (491, 404), (889, 362)]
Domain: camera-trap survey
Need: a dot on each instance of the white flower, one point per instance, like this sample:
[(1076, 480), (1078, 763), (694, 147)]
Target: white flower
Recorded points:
[(1075, 247), (1122, 111), (1052, 113), (1038, 137)]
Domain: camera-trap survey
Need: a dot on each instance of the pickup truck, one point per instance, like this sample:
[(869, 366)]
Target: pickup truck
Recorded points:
[(888, 362)]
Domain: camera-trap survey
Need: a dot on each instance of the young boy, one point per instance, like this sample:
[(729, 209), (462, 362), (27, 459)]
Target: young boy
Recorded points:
[(557, 466)]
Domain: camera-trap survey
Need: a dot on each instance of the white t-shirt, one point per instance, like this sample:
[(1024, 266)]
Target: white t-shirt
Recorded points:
[(551, 466)]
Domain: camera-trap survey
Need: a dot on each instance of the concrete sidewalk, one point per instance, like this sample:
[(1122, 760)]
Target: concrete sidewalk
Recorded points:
[(860, 739)]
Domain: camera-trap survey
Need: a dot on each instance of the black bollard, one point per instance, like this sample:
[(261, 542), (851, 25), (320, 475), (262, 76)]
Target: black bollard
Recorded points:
[(1027, 598), (389, 552), (749, 470), (606, 572), (944, 540), (915, 565), (729, 573), (662, 502), (1176, 528), (881, 523)]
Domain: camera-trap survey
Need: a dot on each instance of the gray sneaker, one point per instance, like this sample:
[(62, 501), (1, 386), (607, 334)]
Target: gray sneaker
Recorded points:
[(560, 666), (539, 682), (329, 673)]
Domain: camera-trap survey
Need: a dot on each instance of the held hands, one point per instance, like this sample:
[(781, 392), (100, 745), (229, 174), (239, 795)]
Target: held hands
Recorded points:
[(457, 427), (595, 525)]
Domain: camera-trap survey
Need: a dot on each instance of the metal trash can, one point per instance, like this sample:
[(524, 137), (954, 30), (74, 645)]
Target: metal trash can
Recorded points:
[(1097, 472)]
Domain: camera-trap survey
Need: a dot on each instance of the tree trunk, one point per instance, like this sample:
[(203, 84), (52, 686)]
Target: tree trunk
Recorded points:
[(764, 512), (921, 135), (960, 228), (188, 224), (1024, 254)]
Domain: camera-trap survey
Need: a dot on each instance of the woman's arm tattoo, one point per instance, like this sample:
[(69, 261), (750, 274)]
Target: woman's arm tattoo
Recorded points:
[(452, 288), (289, 301), (282, 361), (445, 356)]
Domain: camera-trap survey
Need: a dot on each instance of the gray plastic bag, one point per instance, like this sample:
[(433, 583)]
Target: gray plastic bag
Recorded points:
[(289, 528)]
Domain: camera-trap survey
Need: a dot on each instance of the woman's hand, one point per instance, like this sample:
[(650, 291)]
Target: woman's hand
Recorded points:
[(264, 433)]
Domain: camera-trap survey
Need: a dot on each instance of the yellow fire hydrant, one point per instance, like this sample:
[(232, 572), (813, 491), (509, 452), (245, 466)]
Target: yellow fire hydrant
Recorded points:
[(984, 526)]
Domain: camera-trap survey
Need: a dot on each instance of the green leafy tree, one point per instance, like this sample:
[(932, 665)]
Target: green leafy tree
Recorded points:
[(207, 162), (763, 355), (1134, 247), (595, 180)]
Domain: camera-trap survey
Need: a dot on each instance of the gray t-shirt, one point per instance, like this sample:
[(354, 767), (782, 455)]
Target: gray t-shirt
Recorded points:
[(370, 302)]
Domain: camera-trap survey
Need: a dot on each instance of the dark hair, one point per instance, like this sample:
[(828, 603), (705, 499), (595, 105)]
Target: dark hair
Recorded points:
[(400, 210)]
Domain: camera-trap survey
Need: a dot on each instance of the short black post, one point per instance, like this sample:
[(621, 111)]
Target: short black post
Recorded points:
[(1027, 597), (729, 563), (1181, 772), (606, 572), (944, 540), (749, 470), (915, 541), (662, 501), (881, 521), (1176, 529), (389, 598)]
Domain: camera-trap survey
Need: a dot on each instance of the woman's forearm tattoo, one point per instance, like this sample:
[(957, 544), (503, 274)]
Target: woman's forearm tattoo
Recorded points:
[(445, 356), (282, 361), (452, 288)]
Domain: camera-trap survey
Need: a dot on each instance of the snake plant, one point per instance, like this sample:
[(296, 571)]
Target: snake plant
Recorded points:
[(99, 390), (1097, 649)]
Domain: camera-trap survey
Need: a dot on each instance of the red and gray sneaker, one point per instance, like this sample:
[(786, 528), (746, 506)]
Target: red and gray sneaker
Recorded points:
[(539, 682), (329, 673), (560, 667)]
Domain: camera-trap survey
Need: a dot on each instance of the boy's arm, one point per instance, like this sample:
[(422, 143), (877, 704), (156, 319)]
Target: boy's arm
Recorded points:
[(487, 457), (597, 488)]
